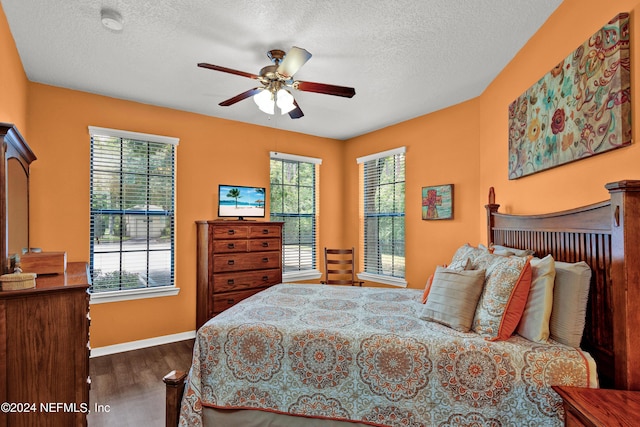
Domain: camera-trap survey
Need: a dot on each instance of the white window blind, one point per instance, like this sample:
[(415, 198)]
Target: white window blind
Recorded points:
[(132, 210), (383, 207), (293, 201)]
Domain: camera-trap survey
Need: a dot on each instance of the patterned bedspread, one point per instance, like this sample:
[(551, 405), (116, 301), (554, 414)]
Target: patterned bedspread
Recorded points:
[(363, 354)]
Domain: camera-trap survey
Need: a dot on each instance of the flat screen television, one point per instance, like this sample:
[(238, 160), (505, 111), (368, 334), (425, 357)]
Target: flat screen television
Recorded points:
[(241, 201)]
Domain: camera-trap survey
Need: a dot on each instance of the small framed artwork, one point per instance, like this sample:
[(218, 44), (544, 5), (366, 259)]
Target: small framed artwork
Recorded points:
[(437, 202)]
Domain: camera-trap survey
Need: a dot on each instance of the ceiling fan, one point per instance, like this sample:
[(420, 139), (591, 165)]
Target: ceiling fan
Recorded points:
[(277, 81)]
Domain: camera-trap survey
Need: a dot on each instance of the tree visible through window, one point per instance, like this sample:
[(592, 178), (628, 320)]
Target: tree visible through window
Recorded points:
[(384, 213), (132, 212), (293, 201)]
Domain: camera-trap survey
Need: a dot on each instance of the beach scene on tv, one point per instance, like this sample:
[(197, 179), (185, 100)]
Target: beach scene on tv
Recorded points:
[(241, 201)]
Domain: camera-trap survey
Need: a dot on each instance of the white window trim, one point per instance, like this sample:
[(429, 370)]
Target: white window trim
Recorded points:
[(132, 294), (387, 280), (297, 276), (294, 157), (117, 133), (138, 293), (382, 154)]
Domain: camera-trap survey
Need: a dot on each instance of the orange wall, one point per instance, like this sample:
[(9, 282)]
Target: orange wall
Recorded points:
[(211, 151), (442, 148), (465, 145), (13, 81), (577, 183)]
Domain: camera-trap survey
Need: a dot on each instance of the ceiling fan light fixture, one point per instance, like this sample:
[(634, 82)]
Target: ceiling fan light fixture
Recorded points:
[(264, 101), (285, 101)]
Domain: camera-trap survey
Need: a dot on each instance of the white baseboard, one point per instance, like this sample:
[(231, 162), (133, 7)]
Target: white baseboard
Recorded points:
[(135, 345)]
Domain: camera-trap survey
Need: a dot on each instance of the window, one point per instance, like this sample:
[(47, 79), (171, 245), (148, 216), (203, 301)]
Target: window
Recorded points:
[(383, 212), (293, 201), (132, 215)]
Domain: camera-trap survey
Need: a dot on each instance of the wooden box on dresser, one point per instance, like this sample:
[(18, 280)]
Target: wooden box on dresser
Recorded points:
[(236, 259), (44, 351)]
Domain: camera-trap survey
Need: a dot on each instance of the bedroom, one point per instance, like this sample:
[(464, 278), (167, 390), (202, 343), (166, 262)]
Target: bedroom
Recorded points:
[(54, 122)]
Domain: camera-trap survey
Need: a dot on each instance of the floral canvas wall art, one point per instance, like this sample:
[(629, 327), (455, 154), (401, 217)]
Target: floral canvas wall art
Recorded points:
[(581, 108)]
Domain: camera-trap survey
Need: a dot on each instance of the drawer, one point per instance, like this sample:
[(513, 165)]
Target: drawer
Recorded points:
[(221, 231), (222, 246), (223, 301), (256, 245), (246, 261), (226, 282), (264, 231)]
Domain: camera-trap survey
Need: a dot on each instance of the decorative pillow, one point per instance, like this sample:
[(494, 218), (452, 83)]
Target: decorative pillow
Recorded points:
[(570, 295), (453, 298), (534, 324), (467, 251), (457, 266), (504, 297), (505, 250)]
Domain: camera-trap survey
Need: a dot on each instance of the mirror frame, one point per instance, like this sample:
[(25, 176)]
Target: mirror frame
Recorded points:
[(14, 146)]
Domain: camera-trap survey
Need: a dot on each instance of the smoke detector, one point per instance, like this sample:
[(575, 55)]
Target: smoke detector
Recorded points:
[(111, 19)]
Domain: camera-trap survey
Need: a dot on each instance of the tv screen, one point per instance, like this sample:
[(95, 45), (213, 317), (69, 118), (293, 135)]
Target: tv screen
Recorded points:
[(240, 201)]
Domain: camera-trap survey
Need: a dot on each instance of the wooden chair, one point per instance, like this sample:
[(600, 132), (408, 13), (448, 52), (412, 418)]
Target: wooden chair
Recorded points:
[(339, 267)]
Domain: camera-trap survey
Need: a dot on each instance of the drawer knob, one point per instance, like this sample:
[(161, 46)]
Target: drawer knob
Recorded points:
[(265, 278), (231, 231), (265, 259), (230, 282), (230, 301), (231, 245), (231, 262), (265, 231), (265, 244)]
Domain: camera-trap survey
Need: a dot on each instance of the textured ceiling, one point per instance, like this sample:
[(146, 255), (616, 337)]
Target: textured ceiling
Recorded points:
[(404, 58)]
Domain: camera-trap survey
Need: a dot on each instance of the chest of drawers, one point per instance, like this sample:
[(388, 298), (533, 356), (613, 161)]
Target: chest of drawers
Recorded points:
[(44, 351), (236, 259)]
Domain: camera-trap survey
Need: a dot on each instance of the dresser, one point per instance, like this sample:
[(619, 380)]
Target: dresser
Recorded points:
[(236, 259), (44, 351), (594, 407)]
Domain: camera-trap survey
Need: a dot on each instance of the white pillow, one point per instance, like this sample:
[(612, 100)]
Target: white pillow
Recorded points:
[(570, 294), (534, 324)]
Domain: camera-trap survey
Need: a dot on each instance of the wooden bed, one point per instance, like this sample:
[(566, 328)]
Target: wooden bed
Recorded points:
[(606, 236)]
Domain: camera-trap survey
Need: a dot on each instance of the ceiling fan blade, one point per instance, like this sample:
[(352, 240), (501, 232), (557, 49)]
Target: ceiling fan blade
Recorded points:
[(296, 113), (240, 97), (293, 60), (227, 70), (347, 92)]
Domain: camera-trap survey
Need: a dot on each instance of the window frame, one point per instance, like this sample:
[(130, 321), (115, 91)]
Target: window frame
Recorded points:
[(312, 273), (399, 281), (147, 292)]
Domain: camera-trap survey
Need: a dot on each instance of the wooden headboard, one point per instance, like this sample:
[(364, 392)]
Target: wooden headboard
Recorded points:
[(606, 236)]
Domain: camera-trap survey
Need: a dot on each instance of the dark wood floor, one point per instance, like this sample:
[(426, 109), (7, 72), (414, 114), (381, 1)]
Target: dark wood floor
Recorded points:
[(130, 383)]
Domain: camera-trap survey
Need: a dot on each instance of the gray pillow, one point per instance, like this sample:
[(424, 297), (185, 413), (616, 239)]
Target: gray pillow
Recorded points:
[(570, 295), (453, 298)]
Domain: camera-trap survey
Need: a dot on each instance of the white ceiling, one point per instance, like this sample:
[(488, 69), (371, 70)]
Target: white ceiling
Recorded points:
[(404, 58)]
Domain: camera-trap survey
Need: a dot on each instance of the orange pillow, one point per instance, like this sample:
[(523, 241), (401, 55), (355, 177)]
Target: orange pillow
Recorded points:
[(427, 288), (516, 305)]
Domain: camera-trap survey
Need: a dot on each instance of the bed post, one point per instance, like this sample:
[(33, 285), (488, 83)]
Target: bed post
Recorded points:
[(491, 208), (625, 273), (174, 381)]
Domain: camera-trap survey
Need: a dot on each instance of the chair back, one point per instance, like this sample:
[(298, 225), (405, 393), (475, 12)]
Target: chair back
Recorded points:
[(339, 267)]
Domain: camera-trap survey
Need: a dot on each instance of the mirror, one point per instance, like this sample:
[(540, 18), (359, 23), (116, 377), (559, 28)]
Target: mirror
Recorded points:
[(17, 207), (15, 158)]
